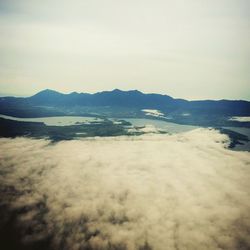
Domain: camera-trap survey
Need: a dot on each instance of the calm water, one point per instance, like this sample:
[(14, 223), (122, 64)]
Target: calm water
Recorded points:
[(244, 131), (71, 120), (162, 125), (177, 128), (57, 120)]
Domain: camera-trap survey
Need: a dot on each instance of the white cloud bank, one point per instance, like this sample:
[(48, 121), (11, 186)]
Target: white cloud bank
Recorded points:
[(240, 118), (153, 112), (182, 191)]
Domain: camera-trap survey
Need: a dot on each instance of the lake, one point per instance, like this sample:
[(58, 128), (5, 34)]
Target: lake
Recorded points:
[(161, 125), (139, 122), (74, 120), (57, 120), (244, 131)]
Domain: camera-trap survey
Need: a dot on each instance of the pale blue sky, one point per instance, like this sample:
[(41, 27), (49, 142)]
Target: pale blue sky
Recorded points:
[(194, 49)]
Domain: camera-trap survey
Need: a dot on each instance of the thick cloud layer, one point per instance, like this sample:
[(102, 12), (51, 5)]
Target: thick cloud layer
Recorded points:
[(183, 191)]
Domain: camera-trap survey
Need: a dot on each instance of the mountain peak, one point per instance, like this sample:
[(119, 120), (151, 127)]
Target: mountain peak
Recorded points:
[(124, 91), (74, 93), (135, 91), (47, 92), (117, 90)]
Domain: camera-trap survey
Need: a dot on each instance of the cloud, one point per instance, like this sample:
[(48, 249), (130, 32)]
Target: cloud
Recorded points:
[(182, 191)]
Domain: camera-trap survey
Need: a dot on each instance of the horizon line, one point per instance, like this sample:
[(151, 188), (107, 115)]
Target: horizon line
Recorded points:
[(115, 89)]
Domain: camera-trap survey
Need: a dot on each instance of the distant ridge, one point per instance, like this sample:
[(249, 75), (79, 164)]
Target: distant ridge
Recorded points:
[(51, 91), (116, 97), (133, 101)]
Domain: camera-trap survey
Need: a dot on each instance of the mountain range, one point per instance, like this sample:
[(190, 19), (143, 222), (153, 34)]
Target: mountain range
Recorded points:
[(118, 103)]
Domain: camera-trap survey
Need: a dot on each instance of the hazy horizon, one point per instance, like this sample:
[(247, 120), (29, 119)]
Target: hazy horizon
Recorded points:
[(110, 90)]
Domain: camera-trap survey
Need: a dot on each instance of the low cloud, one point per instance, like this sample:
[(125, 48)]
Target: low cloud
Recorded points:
[(182, 191)]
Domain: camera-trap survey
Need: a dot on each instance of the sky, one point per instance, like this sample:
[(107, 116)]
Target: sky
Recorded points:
[(193, 49)]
